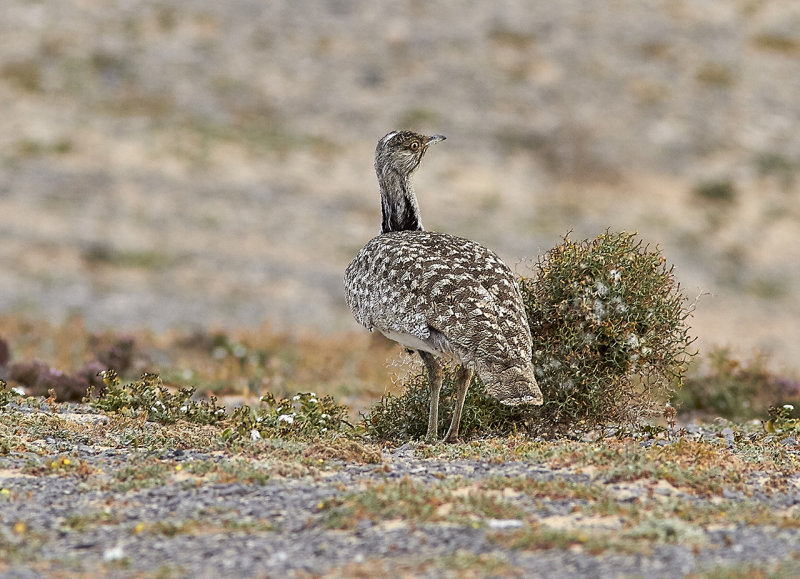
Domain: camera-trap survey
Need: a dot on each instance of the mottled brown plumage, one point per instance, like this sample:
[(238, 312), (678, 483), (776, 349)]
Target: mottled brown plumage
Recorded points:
[(446, 297)]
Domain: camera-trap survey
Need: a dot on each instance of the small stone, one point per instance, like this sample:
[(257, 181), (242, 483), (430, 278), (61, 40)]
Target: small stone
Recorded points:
[(363, 525), (504, 524), (114, 553)]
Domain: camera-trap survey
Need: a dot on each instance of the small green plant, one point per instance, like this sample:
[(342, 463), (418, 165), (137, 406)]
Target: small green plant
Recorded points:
[(405, 416), (610, 333), (667, 530), (781, 420), (150, 396), (146, 474), (230, 471), (7, 394), (302, 415)]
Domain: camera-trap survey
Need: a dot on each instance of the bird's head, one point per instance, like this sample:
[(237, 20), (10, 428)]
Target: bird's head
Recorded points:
[(401, 151)]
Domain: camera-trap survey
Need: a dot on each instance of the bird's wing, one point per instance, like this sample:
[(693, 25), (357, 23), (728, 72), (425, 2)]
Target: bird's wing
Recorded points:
[(383, 287), (413, 281), (478, 307)]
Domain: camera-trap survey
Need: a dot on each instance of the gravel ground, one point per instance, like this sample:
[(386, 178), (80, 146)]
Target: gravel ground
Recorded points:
[(279, 526)]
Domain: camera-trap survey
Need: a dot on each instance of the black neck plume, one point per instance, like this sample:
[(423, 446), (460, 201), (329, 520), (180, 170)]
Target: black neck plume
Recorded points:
[(399, 203)]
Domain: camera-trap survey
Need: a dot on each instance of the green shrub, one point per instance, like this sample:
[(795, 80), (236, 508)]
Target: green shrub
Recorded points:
[(149, 395), (610, 333), (302, 415), (610, 343)]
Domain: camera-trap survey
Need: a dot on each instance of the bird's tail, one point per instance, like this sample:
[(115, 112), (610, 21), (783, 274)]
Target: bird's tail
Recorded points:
[(515, 385)]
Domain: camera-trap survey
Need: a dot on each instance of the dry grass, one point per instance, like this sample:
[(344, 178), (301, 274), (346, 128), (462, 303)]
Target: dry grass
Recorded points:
[(235, 365)]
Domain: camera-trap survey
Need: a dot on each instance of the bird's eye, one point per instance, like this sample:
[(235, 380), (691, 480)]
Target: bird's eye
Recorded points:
[(414, 145)]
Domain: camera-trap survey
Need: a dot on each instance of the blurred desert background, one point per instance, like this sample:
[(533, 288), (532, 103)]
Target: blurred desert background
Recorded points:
[(194, 164)]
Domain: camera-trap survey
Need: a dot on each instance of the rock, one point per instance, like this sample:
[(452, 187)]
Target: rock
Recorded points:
[(39, 378)]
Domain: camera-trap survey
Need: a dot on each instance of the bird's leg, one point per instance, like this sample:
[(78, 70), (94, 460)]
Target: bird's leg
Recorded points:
[(435, 384), (463, 377)]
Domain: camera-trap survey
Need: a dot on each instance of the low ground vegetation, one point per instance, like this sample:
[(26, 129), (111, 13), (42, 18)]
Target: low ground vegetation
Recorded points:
[(629, 493)]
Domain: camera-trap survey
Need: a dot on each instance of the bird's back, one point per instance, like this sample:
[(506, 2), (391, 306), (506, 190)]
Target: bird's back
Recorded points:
[(450, 292)]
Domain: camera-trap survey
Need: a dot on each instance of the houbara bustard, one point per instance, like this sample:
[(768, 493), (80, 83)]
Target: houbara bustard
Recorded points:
[(446, 297)]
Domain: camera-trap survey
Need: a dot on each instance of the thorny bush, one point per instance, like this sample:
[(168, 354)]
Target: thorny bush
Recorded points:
[(610, 334)]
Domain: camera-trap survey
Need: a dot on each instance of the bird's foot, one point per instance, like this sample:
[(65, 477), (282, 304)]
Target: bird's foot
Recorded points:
[(451, 436)]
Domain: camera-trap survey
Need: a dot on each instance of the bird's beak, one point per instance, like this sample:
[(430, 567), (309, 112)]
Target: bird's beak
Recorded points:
[(435, 139)]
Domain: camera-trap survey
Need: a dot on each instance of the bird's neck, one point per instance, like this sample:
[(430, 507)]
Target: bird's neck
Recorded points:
[(399, 203)]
